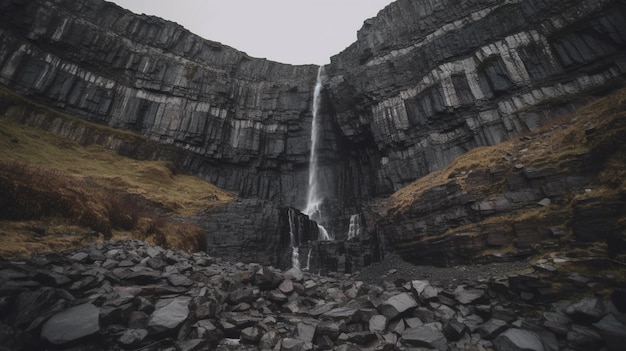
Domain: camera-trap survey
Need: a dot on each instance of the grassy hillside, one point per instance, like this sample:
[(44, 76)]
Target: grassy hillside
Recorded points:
[(56, 194), (589, 144)]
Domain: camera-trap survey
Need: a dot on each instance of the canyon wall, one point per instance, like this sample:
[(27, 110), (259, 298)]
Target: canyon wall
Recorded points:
[(244, 121), (426, 81)]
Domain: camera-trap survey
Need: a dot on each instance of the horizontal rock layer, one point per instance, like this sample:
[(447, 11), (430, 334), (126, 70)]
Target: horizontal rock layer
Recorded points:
[(428, 80), (245, 117)]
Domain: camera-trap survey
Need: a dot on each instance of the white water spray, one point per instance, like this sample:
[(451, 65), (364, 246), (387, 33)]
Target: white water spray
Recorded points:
[(308, 260), (355, 226), (314, 198), (295, 255)]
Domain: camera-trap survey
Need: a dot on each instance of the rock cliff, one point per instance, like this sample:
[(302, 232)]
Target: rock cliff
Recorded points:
[(426, 81), (244, 120)]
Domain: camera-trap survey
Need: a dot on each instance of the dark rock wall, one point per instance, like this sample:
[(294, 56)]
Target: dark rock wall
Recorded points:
[(428, 80), (245, 120)]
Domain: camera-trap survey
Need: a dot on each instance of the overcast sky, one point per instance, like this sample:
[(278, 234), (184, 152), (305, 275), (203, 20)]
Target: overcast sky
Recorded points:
[(288, 31)]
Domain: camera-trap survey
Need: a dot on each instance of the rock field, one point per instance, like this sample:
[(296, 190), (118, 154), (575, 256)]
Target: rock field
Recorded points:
[(127, 295)]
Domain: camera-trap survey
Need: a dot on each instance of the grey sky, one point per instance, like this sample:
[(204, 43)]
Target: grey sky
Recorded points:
[(289, 31)]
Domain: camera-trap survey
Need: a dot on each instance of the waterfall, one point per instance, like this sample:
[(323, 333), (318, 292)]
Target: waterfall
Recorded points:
[(314, 197), (355, 226), (293, 230), (308, 259)]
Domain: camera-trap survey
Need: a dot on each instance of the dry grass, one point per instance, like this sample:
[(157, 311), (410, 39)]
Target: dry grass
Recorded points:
[(50, 183), (554, 144), (591, 140)]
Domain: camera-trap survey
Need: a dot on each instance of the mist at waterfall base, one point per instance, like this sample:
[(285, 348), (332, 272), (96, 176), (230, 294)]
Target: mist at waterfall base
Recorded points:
[(315, 199)]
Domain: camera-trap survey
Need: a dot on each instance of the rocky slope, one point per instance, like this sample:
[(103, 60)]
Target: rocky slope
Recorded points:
[(127, 295), (561, 188)]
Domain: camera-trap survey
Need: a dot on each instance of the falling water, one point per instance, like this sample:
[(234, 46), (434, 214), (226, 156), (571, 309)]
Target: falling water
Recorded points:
[(308, 260), (314, 198), (295, 255), (355, 226)]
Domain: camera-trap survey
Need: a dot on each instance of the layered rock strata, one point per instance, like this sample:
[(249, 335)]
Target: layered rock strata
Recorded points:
[(428, 80), (425, 82), (244, 120)]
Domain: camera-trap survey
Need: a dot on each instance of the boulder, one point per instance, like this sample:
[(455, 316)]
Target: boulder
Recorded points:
[(72, 324), (515, 339), (396, 305), (169, 314), (425, 336)]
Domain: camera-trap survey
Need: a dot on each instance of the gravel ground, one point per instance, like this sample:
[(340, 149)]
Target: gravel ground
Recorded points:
[(393, 268)]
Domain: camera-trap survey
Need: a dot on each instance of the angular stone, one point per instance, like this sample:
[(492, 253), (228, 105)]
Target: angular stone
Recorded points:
[(72, 324), (179, 280), (587, 310), (424, 290), (425, 336), (346, 313), (251, 335), (582, 338), (613, 332), (467, 296), (289, 344), (133, 337), (453, 330), (306, 331), (396, 305), (329, 328), (377, 323), (492, 328), (515, 339), (286, 287), (362, 338), (192, 345), (169, 314)]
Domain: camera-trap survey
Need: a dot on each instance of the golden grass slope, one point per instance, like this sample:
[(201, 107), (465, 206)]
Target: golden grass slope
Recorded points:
[(56, 194)]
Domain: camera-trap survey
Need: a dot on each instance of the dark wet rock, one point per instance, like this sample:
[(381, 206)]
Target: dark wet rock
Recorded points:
[(515, 339), (613, 332), (290, 344), (377, 323), (425, 336), (396, 305), (583, 338), (133, 337), (344, 313), (467, 296), (362, 338), (492, 328), (179, 280), (453, 330), (587, 310), (169, 314), (192, 345), (72, 324), (30, 304), (306, 331), (251, 335)]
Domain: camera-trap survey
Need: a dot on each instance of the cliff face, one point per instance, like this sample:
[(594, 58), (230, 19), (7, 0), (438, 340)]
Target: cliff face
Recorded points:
[(244, 120), (426, 81)]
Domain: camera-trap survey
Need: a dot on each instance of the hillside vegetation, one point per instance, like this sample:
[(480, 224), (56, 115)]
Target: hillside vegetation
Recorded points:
[(57, 194), (559, 189)]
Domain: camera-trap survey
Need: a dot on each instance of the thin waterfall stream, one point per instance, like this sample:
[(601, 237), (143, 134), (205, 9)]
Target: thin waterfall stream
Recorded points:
[(314, 196)]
